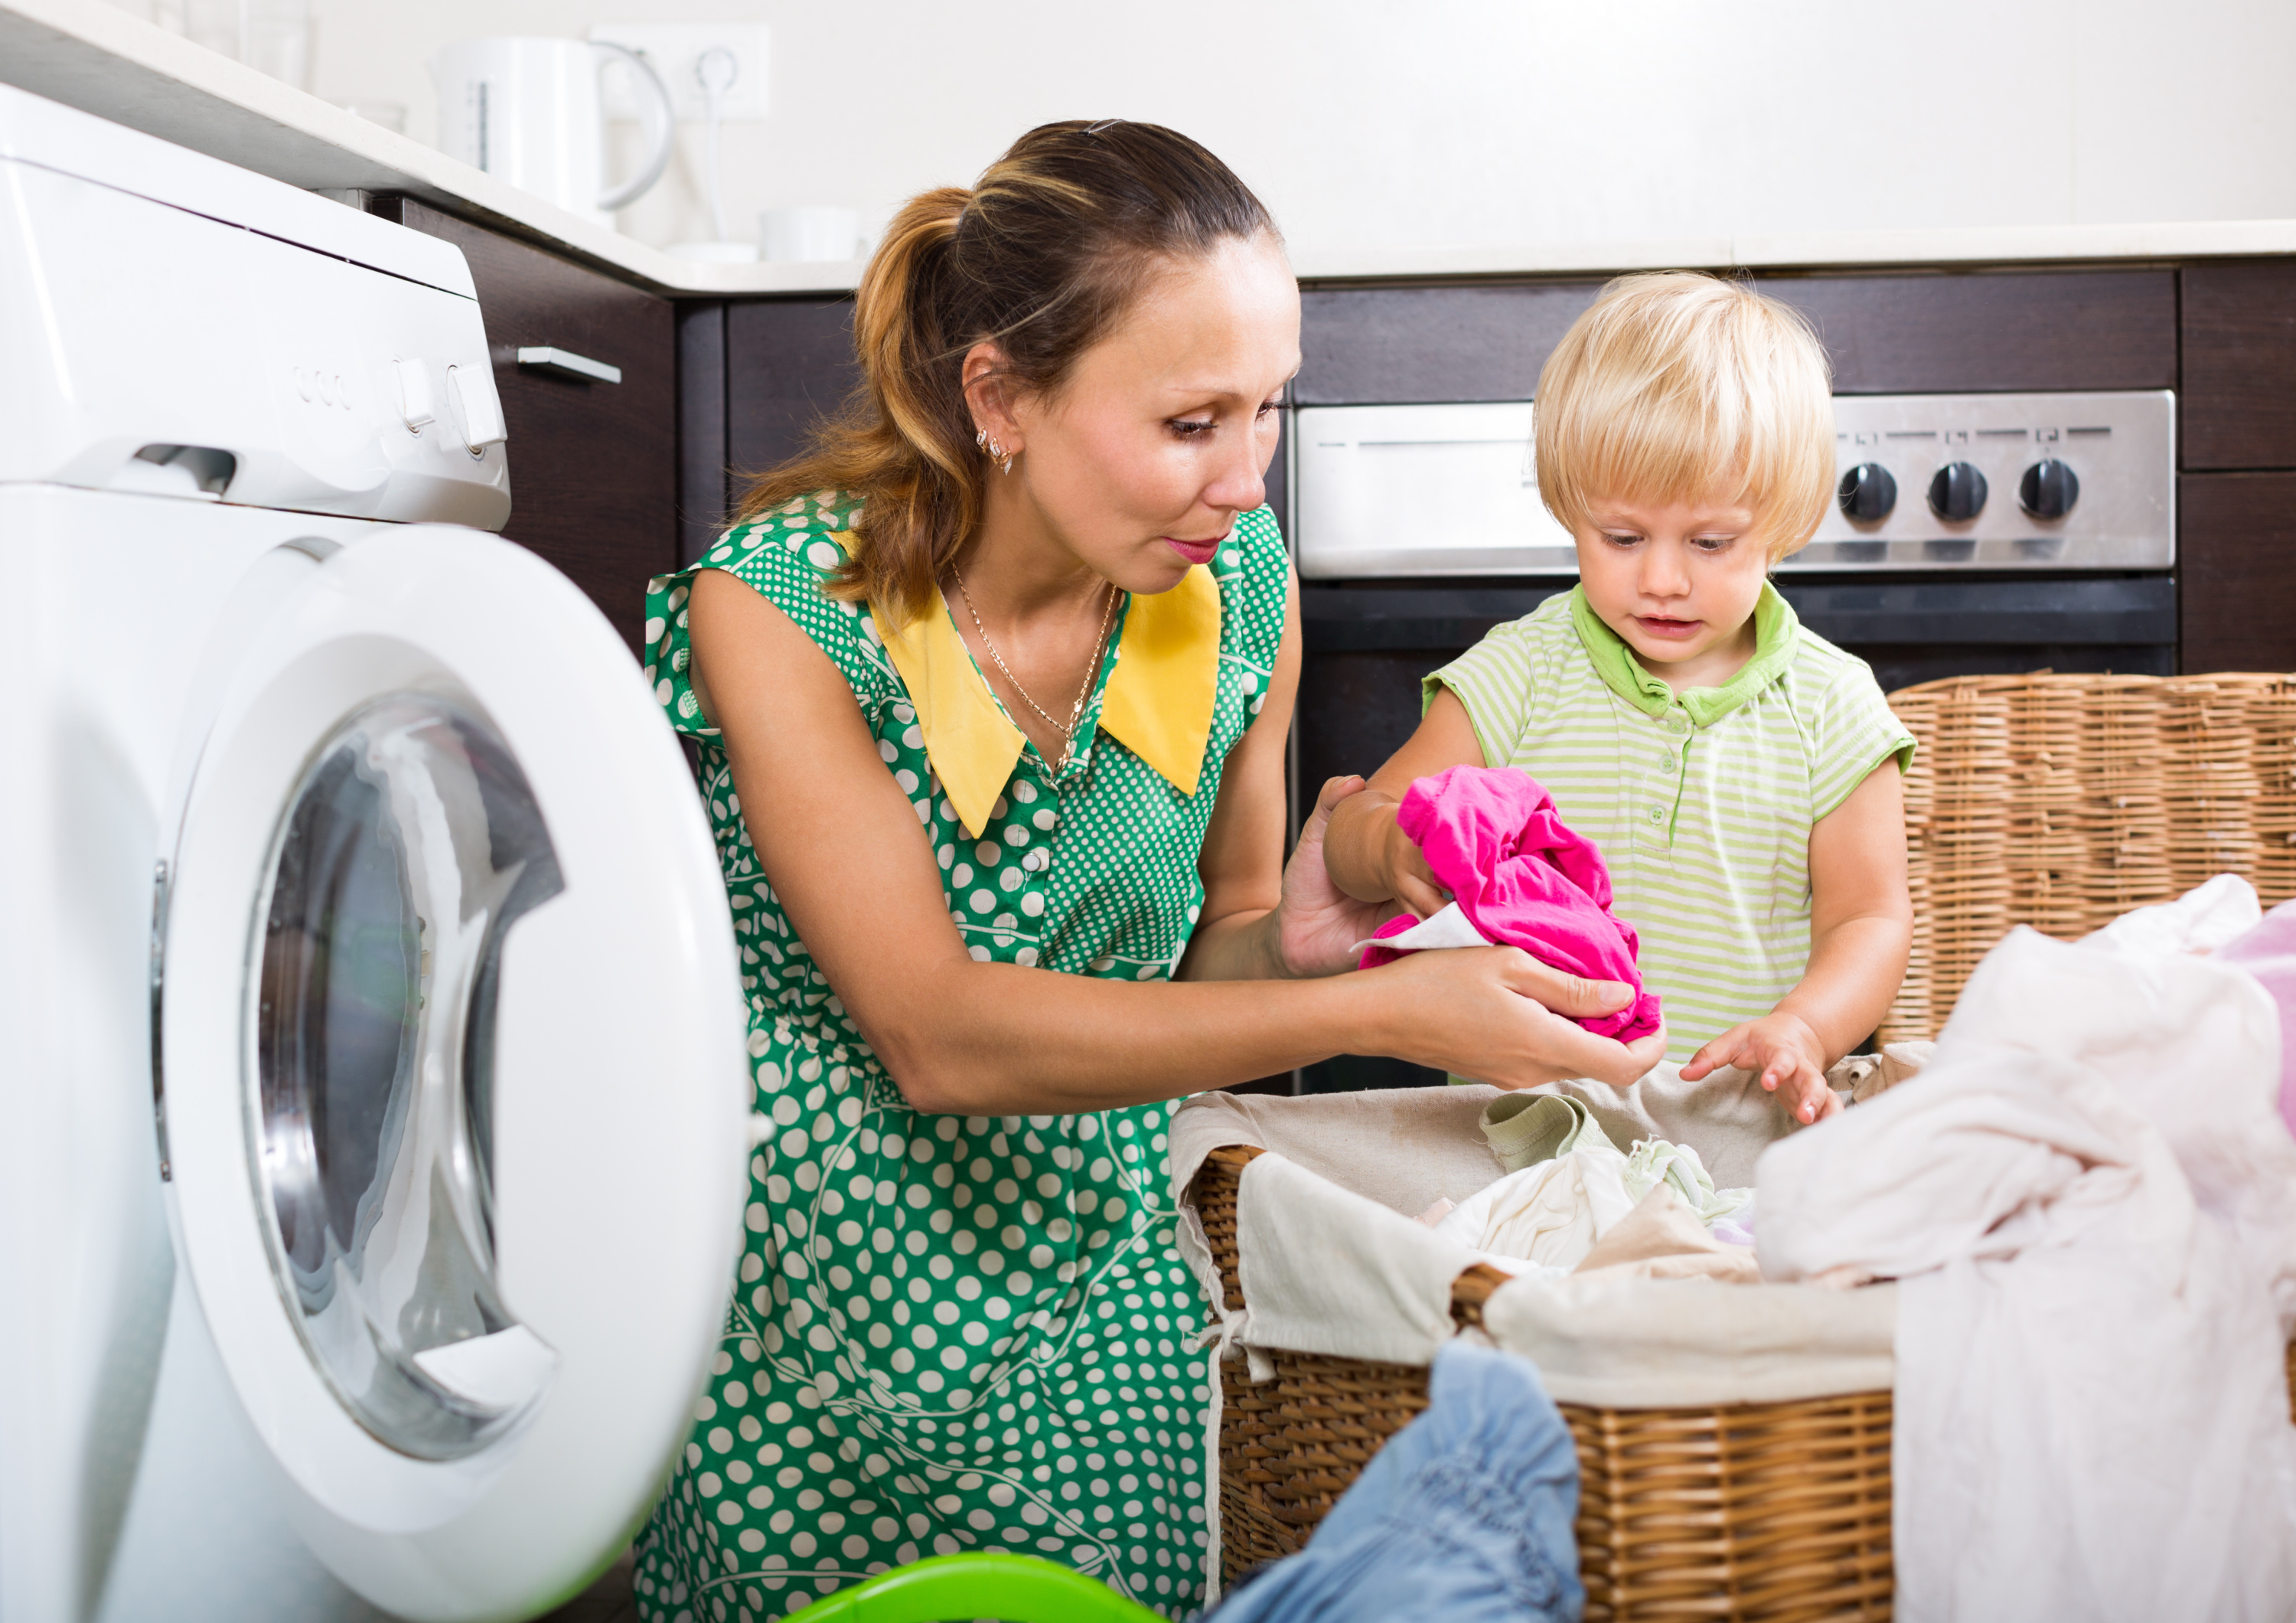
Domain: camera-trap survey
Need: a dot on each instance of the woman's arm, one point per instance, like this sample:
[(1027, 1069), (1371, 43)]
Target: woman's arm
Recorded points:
[(1263, 918), (1238, 936), (1369, 857), (857, 874), (1861, 929)]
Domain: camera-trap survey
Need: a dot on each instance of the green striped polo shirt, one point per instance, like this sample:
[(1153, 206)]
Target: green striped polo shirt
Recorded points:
[(1702, 801)]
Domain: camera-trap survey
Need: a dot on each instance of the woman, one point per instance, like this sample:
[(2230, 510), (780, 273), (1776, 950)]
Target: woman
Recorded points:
[(993, 689)]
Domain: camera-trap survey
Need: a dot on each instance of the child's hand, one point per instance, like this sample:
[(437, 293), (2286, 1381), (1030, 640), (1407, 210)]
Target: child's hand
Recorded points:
[(1787, 1053), (1403, 867)]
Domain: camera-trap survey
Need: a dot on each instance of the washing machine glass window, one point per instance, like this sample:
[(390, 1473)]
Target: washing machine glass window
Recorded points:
[(410, 847)]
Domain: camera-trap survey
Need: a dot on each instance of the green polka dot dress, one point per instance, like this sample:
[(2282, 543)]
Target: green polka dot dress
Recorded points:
[(954, 1334)]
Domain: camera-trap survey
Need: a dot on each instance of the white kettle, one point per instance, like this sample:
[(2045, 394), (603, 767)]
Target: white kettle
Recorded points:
[(529, 111)]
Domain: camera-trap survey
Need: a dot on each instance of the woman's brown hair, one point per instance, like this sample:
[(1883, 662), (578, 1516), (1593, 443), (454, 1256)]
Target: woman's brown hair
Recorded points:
[(1041, 257)]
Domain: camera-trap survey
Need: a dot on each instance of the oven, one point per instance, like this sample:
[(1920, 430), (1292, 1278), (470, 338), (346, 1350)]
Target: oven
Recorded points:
[(1972, 534)]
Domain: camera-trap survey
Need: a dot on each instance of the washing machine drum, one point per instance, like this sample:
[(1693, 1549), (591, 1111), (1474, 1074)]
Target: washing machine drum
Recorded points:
[(454, 1090)]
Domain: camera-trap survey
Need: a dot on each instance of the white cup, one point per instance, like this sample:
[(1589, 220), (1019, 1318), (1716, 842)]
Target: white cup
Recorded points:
[(810, 233)]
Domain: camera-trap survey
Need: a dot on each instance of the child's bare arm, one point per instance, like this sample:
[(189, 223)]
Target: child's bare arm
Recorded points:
[(1367, 855), (1861, 927), (1861, 919)]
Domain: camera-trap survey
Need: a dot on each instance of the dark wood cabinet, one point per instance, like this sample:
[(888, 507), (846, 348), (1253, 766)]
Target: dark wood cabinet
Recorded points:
[(2236, 567), (1397, 346), (593, 465), (1991, 331), (2239, 389), (704, 500), (1962, 332), (789, 364), (756, 377), (2235, 505)]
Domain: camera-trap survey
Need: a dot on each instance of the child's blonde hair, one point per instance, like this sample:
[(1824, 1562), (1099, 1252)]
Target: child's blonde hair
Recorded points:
[(1679, 387)]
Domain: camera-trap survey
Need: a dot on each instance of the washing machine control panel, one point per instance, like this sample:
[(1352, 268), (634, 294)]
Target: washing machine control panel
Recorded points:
[(261, 369)]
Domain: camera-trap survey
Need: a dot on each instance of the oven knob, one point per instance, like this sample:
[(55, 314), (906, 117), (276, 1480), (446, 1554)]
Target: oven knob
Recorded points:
[(1867, 493), (2048, 489), (1958, 493)]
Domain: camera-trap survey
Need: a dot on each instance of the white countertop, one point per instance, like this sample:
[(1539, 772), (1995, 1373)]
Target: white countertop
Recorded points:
[(95, 57)]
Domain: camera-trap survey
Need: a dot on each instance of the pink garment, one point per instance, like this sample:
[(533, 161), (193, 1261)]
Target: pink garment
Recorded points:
[(2268, 952), (1494, 839)]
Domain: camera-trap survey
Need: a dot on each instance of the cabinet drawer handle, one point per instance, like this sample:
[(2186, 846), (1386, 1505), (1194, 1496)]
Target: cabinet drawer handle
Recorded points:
[(566, 364)]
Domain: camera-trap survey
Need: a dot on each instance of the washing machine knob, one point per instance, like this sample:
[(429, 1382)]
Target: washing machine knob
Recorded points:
[(1958, 493), (1867, 493), (2048, 489)]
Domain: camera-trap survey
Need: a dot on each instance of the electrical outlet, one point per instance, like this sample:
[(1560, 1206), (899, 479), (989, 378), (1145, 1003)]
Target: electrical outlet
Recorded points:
[(673, 50)]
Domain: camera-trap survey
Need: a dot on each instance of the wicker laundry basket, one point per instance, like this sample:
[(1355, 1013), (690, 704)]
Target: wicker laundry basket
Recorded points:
[(2062, 801), (1759, 1511), (1779, 1512)]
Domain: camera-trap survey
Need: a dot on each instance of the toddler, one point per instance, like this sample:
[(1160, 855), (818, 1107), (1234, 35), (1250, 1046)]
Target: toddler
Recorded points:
[(1740, 774)]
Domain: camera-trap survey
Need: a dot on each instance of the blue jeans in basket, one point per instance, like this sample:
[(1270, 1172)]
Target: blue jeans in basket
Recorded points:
[(1465, 1516)]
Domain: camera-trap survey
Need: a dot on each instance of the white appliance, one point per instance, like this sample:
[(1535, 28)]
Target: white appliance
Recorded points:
[(373, 1097), (531, 110), (1926, 483)]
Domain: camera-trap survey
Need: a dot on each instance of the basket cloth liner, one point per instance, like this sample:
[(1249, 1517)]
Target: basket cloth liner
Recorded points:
[(1332, 1262)]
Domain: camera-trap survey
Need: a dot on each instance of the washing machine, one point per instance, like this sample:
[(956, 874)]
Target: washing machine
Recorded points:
[(373, 1109)]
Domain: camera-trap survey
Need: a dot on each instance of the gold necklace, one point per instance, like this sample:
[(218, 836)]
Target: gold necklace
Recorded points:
[(1067, 729)]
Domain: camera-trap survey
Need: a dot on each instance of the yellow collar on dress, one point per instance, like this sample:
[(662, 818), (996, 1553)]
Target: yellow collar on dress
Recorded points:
[(1159, 700)]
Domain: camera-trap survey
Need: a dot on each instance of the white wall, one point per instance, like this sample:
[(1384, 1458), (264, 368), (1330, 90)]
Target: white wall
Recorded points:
[(1373, 123)]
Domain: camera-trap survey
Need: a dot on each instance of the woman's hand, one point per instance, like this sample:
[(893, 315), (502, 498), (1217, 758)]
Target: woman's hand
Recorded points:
[(1498, 1015), (1316, 923)]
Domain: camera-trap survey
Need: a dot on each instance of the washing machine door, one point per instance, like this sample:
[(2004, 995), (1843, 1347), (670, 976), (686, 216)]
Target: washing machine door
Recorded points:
[(455, 1099)]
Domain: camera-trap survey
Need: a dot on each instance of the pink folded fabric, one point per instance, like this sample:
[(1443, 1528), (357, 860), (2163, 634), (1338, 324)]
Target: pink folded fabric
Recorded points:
[(1523, 879)]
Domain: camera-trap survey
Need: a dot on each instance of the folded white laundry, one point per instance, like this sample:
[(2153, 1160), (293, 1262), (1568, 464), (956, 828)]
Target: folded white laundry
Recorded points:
[(2089, 1200), (1570, 1184), (2203, 919), (1662, 1238), (1549, 1215), (1655, 1161)]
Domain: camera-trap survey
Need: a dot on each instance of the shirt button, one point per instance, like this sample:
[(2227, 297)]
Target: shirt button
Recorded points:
[(1034, 862), (1656, 815)]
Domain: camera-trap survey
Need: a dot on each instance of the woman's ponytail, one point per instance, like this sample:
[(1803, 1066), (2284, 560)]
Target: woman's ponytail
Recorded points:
[(1042, 257), (901, 445), (898, 319)]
